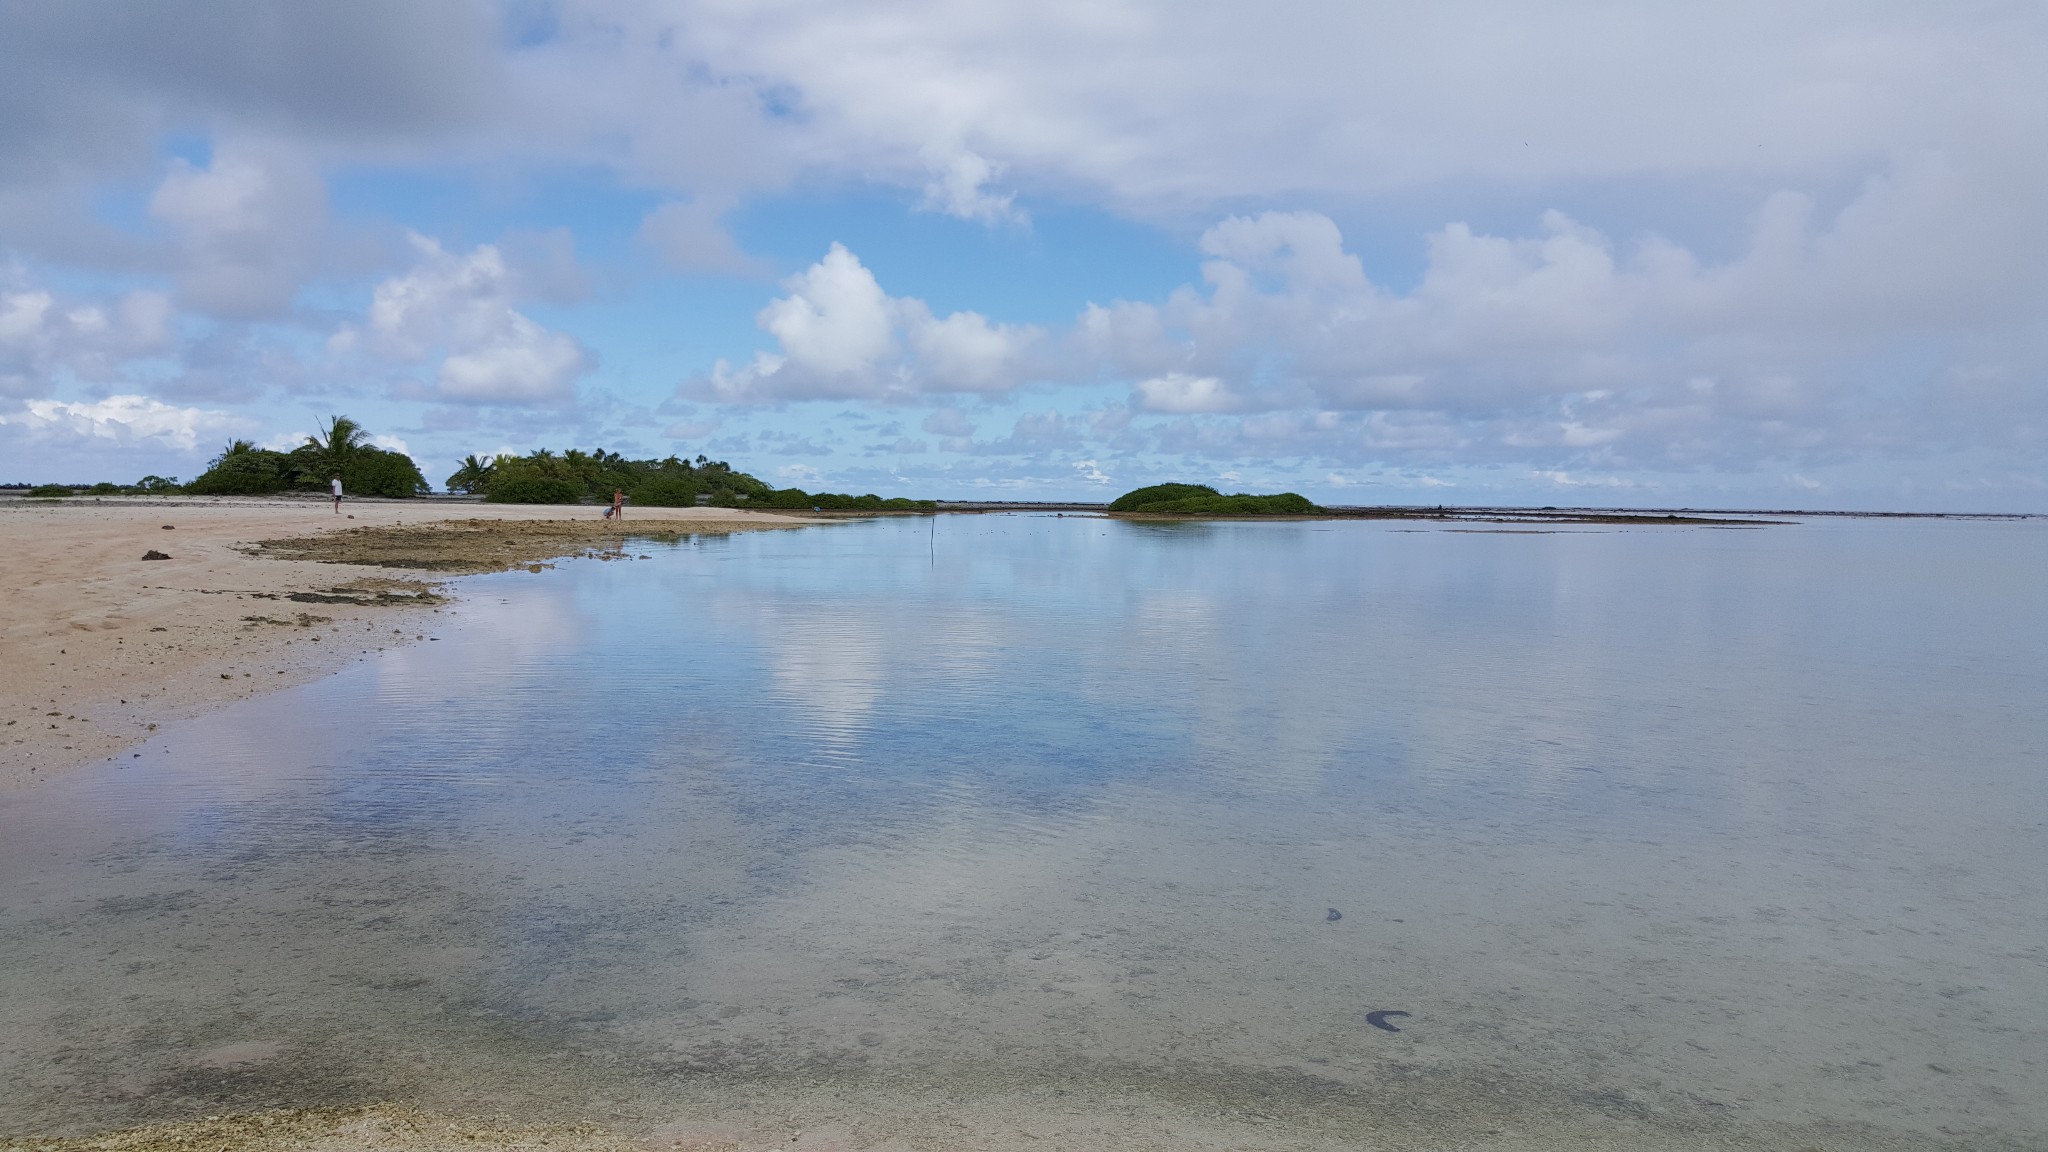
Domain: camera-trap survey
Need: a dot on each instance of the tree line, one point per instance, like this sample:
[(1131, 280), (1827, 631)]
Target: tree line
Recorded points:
[(575, 476), (342, 448)]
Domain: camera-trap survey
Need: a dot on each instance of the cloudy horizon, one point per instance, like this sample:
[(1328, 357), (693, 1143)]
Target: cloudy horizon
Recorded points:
[(1588, 253)]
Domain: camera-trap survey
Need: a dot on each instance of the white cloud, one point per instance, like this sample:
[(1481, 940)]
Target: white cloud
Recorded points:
[(836, 321), (517, 362), (249, 228), (840, 336), (42, 335), (1180, 392), (1570, 480), (123, 419), (1561, 346), (1163, 107), (460, 307), (959, 187), (1884, 301)]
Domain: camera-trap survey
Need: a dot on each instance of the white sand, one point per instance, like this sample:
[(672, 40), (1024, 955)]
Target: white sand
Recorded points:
[(98, 645)]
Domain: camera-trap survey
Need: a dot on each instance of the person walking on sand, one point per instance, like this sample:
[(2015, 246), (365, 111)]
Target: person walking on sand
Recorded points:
[(336, 485)]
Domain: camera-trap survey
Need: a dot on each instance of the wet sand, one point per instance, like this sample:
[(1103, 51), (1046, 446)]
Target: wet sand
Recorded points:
[(101, 645)]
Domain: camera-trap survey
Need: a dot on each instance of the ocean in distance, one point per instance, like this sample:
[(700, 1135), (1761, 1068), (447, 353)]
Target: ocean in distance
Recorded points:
[(1261, 834)]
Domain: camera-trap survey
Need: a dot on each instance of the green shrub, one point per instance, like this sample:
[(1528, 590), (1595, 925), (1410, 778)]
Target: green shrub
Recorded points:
[(105, 488), (1159, 494), (376, 472), (155, 483), (1283, 504), (596, 475), (797, 498), (51, 491), (474, 476), (242, 469), (526, 488), (665, 491), (1202, 500)]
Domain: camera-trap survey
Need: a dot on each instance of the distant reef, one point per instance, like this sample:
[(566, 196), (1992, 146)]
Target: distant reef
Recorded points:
[(1202, 500)]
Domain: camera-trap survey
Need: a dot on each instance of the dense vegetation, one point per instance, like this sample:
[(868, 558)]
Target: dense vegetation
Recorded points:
[(574, 476), (148, 485), (342, 449), (839, 501), (544, 477), (1202, 500)]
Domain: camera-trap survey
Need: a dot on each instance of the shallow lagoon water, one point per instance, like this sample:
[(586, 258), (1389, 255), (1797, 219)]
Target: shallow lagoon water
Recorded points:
[(1659, 836)]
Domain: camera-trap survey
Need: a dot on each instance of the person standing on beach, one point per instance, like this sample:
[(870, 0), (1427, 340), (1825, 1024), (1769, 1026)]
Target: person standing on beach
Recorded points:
[(618, 511), (336, 485)]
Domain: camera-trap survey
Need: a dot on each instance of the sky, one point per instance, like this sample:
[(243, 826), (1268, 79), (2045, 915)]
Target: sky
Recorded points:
[(1742, 254)]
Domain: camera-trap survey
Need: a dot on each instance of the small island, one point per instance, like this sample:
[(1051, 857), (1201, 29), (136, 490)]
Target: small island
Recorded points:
[(1202, 500)]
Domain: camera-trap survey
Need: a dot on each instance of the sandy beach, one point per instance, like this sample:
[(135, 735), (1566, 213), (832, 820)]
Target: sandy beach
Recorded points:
[(102, 645)]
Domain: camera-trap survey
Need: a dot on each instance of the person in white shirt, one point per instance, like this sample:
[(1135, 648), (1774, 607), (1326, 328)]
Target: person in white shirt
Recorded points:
[(336, 485)]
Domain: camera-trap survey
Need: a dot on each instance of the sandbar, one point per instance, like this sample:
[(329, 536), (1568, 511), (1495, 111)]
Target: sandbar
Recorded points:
[(99, 646)]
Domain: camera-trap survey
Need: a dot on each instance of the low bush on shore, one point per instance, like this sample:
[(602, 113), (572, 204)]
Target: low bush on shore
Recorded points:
[(796, 498), (147, 486), (1202, 500), (342, 449), (534, 489), (575, 476)]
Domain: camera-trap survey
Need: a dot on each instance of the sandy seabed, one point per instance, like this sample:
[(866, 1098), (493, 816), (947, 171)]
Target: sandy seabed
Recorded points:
[(99, 646)]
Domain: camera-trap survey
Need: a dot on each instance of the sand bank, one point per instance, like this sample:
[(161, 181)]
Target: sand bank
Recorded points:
[(98, 645)]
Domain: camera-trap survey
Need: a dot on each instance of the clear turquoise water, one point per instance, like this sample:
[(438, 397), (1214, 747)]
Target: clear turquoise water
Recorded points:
[(1661, 835)]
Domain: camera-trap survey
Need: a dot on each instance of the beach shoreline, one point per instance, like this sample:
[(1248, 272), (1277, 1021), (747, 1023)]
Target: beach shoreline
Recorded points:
[(103, 646)]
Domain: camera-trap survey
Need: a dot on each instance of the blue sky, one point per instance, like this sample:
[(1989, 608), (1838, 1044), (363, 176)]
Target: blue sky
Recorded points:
[(1376, 253)]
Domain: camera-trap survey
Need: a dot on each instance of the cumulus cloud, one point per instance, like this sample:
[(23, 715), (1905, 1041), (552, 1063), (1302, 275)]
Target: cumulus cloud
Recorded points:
[(1564, 343), (43, 335), (119, 419), (459, 308), (960, 187), (1180, 392), (840, 336), (248, 227), (1885, 301)]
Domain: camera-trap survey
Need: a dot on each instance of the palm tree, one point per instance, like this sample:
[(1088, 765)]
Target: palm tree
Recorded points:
[(474, 475), (342, 439)]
